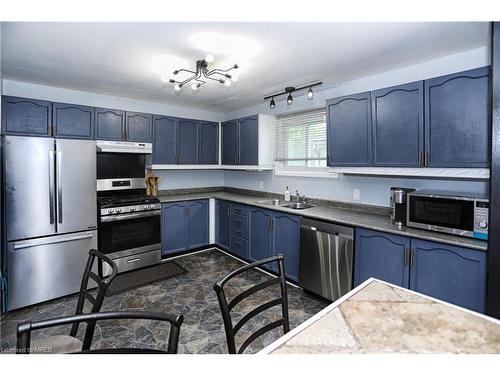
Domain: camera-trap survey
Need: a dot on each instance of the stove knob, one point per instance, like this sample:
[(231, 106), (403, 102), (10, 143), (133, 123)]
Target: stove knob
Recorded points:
[(483, 224), (110, 210), (132, 209)]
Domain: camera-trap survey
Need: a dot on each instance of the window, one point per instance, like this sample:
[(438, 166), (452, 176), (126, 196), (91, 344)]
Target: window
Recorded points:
[(301, 140)]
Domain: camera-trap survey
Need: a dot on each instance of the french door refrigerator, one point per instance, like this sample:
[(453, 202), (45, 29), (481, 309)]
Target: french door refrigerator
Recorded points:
[(51, 216)]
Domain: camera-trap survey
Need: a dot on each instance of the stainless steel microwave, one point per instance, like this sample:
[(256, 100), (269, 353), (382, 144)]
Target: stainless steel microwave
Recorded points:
[(462, 214)]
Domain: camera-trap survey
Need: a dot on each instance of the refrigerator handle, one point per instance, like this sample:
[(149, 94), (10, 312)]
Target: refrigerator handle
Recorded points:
[(50, 241), (51, 185), (59, 187)]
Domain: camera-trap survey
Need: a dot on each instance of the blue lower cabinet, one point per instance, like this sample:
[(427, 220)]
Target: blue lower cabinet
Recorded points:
[(223, 220), (197, 223), (286, 241), (261, 238), (382, 256), (239, 246), (174, 227), (184, 226), (450, 273)]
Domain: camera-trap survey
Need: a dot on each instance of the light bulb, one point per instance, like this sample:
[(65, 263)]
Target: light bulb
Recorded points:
[(310, 94), (272, 104), (289, 100), (227, 82), (209, 58), (234, 77), (194, 86), (177, 87)]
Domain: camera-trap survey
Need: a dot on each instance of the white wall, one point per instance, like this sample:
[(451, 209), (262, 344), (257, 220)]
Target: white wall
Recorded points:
[(190, 179), (57, 94)]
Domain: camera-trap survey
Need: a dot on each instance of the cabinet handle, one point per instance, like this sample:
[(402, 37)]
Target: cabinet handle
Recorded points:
[(412, 258), (228, 211), (426, 159), (237, 231), (420, 158), (405, 258), (237, 220), (237, 242)]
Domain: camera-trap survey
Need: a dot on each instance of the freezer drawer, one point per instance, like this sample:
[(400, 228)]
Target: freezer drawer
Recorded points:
[(47, 268), (325, 262)]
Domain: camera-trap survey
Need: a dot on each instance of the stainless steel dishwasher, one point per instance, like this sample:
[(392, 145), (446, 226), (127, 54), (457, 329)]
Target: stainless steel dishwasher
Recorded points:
[(326, 253)]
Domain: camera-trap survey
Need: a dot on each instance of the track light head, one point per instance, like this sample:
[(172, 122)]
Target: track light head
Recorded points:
[(272, 104), (310, 94), (289, 100)]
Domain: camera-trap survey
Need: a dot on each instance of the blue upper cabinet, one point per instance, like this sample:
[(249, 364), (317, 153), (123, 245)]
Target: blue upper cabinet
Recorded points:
[(73, 121), (21, 116), (230, 142), (286, 241), (174, 227), (398, 125), (109, 124), (261, 222), (248, 140), (449, 273), (138, 127), (164, 140), (209, 142), (382, 256), (188, 141), (349, 131), (457, 111), (197, 223), (222, 218)]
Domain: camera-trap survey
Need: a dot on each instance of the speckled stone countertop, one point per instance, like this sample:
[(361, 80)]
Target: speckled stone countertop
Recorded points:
[(378, 317), (363, 216)]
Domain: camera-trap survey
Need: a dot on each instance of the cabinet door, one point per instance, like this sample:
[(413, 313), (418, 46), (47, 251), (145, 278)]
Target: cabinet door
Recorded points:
[(209, 143), (261, 222), (286, 241), (349, 131), (223, 214), (248, 141), (197, 223), (398, 125), (21, 116), (164, 140), (188, 141), (230, 142), (109, 124), (73, 121), (450, 273), (457, 110), (382, 256), (174, 227), (138, 127)]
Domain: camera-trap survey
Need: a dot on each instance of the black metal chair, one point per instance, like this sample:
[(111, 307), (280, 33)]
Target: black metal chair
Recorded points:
[(24, 330), (232, 330), (69, 343)]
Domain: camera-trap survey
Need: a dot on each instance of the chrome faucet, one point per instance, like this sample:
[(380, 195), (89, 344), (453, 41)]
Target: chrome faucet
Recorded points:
[(300, 198)]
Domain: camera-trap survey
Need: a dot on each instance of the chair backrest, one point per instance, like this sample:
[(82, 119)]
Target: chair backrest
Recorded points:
[(24, 329), (84, 294), (231, 330)]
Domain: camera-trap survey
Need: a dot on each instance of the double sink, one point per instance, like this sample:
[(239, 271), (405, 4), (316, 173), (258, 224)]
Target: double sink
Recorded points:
[(280, 203)]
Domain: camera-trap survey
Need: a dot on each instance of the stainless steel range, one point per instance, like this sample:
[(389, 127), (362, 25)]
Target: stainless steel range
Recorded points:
[(129, 221)]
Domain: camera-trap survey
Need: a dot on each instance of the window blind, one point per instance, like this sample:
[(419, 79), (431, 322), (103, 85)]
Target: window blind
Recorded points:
[(301, 139)]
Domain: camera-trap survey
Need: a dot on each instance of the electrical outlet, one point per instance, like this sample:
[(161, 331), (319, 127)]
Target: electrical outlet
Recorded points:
[(355, 194), (261, 184)]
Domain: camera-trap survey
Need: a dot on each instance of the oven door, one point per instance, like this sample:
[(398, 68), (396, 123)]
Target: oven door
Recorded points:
[(129, 234), (454, 215)]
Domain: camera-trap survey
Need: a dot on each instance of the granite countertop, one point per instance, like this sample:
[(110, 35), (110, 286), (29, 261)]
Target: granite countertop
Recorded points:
[(366, 216), (379, 317)]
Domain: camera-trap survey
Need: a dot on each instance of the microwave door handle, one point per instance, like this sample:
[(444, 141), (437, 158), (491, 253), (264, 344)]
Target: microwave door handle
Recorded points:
[(51, 186), (59, 187)]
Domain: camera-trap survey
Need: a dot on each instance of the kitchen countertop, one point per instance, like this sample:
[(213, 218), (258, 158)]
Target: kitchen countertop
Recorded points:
[(355, 218), (378, 317)]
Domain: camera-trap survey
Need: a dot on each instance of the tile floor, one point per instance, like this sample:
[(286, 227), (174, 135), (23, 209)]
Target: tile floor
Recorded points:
[(190, 294)]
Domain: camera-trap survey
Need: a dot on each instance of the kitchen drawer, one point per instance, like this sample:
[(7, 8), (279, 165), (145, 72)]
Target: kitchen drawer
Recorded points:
[(133, 261), (239, 246), (239, 225), (239, 209)]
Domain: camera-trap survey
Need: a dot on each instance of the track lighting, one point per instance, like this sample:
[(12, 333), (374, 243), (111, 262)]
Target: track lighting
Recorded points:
[(289, 90)]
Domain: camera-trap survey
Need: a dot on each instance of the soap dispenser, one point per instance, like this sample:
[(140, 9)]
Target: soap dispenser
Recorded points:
[(287, 195)]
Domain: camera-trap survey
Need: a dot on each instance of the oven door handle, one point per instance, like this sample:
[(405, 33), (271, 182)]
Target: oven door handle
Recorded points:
[(105, 219)]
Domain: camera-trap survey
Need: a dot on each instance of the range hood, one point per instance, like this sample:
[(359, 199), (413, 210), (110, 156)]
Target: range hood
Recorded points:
[(124, 147)]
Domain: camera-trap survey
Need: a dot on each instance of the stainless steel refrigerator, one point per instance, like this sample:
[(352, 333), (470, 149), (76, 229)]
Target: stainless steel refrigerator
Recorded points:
[(51, 216)]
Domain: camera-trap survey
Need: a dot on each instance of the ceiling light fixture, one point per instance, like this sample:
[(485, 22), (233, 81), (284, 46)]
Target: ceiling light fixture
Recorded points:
[(289, 90), (202, 71)]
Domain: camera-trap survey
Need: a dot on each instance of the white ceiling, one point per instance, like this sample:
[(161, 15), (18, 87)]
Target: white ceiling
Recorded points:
[(116, 58)]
